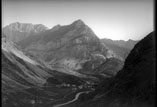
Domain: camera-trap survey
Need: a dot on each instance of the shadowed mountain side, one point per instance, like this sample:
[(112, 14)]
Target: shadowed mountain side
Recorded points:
[(134, 85), (137, 78)]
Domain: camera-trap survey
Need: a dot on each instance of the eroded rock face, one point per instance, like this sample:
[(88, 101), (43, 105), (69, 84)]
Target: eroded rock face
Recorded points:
[(137, 78)]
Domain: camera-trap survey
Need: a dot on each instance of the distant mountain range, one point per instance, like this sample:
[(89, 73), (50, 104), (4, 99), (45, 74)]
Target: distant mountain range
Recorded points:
[(120, 47), (19, 31)]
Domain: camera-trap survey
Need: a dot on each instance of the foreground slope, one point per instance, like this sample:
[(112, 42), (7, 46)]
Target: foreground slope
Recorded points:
[(138, 73)]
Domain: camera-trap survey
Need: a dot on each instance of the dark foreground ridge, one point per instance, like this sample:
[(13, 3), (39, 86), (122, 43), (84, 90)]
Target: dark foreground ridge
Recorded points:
[(134, 85)]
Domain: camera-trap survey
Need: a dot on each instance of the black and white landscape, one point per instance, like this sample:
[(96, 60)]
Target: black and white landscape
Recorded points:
[(72, 66)]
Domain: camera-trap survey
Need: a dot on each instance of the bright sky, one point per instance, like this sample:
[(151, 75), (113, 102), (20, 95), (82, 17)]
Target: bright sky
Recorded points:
[(113, 19)]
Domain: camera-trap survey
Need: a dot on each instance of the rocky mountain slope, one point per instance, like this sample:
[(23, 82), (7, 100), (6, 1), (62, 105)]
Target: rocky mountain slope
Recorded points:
[(69, 47), (18, 70), (24, 79), (18, 67)]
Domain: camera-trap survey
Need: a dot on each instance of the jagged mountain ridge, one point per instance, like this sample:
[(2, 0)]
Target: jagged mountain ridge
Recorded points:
[(68, 46), (72, 31), (16, 32)]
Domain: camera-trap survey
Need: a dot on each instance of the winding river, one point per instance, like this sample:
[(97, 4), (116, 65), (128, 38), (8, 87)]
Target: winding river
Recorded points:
[(76, 97)]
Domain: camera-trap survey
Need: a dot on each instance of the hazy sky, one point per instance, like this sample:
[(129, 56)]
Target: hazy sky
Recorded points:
[(114, 19)]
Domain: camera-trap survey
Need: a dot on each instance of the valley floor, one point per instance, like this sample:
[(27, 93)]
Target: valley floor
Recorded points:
[(42, 97)]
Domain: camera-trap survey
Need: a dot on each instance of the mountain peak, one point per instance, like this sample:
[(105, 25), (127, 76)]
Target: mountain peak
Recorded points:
[(78, 22)]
